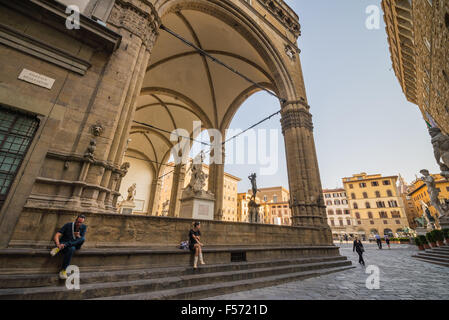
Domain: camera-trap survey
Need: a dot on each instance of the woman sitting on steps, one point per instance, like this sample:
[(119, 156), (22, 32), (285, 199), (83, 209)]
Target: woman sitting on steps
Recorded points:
[(195, 244)]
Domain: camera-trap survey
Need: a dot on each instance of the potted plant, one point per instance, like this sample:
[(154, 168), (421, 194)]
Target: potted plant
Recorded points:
[(419, 244), (438, 237), (430, 239), (446, 235), (424, 242)]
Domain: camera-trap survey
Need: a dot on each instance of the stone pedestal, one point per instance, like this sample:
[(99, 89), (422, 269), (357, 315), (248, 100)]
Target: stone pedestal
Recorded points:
[(444, 223), (421, 231), (127, 207), (198, 206)]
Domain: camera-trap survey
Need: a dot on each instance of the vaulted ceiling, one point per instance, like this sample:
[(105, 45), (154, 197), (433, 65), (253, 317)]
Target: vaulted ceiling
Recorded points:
[(182, 86)]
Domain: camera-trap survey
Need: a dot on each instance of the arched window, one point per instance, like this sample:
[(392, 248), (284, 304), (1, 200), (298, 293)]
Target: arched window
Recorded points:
[(377, 194), (365, 195), (355, 205), (388, 232), (337, 202), (330, 212), (374, 231), (367, 205), (329, 203), (357, 215), (339, 211), (370, 215), (389, 193), (353, 195)]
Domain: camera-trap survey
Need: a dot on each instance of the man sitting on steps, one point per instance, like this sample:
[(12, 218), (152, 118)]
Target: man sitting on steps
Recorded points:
[(68, 239)]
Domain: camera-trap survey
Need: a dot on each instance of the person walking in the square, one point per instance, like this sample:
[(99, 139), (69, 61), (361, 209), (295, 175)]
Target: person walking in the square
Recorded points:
[(387, 241), (379, 241), (358, 247), (68, 239)]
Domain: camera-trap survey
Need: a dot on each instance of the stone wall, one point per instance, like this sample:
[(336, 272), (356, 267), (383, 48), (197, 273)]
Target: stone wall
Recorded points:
[(36, 229)]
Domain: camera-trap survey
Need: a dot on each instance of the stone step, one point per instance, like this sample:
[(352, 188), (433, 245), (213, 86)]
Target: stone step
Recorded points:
[(434, 254), (105, 289), (41, 280), (217, 289), (38, 261), (430, 257), (441, 263), (444, 249)]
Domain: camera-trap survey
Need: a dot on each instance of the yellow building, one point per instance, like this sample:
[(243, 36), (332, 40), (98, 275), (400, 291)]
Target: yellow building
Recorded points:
[(229, 192), (419, 193), (418, 33), (375, 204)]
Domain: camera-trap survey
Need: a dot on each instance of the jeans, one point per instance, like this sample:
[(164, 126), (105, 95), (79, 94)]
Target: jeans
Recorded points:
[(361, 261), (69, 249)]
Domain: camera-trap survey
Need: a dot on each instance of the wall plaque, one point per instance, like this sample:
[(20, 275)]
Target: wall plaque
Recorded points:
[(36, 78)]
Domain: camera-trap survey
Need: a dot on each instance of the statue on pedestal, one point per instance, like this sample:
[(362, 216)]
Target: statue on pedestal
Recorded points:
[(252, 178), (198, 177), (252, 205), (131, 193), (433, 192)]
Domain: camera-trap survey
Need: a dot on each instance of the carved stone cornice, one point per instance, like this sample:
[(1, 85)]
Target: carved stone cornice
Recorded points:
[(283, 15), (296, 118), (138, 17)]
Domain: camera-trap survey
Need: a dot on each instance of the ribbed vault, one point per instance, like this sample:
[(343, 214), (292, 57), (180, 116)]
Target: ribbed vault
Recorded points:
[(182, 86)]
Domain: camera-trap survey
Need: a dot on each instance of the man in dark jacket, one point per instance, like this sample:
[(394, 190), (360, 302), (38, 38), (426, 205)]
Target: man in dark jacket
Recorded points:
[(68, 239), (358, 247)]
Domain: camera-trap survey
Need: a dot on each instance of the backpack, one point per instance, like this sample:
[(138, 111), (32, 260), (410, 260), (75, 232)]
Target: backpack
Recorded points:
[(184, 245)]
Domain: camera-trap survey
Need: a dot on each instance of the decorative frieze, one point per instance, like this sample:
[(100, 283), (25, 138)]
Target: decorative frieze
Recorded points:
[(138, 17), (283, 15), (296, 118)]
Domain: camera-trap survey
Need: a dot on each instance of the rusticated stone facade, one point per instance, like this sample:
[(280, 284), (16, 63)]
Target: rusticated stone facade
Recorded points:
[(418, 35), (102, 89)]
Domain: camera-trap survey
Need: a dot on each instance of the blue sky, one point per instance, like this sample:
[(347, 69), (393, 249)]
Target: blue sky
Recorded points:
[(362, 120)]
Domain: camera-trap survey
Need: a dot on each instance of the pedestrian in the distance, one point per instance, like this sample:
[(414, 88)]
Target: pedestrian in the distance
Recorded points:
[(387, 241), (358, 247), (379, 241)]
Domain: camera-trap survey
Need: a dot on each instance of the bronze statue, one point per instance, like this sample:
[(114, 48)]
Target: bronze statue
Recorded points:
[(252, 178)]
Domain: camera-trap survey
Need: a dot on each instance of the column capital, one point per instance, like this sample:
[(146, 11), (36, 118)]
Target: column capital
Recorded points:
[(296, 117), (138, 17)]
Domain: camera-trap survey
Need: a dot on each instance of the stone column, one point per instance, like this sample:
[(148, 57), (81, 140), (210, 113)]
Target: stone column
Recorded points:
[(114, 106), (156, 186), (176, 190), (306, 202), (216, 185)]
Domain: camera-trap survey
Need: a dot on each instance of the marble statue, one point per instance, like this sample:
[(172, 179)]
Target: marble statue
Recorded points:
[(198, 177), (440, 143), (433, 192), (131, 192)]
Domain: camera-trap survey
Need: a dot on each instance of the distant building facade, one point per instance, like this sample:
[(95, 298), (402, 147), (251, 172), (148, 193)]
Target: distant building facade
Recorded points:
[(418, 33), (409, 205), (375, 204), (338, 213)]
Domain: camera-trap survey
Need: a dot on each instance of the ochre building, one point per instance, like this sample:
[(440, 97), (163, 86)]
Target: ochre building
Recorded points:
[(375, 204), (418, 36)]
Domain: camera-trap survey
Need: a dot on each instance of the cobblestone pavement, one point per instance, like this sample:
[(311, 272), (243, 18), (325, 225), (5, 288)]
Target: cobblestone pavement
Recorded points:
[(401, 278)]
